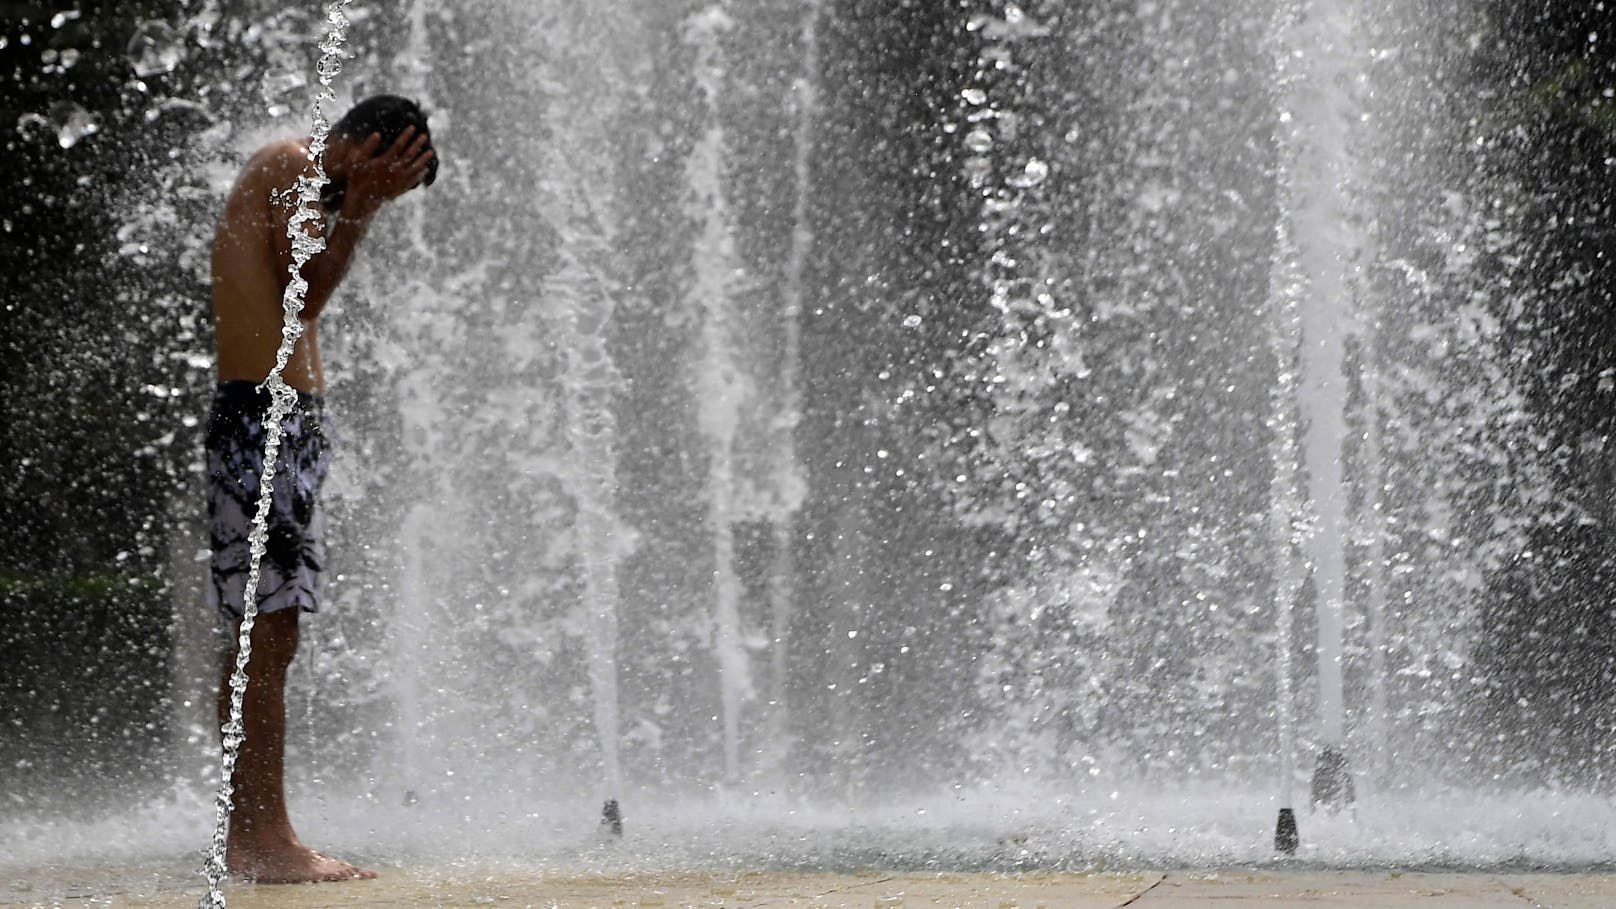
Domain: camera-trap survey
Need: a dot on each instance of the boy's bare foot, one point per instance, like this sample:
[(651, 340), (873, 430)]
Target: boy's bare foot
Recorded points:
[(294, 864)]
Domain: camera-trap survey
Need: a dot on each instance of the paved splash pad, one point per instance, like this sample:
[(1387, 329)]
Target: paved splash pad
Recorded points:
[(504, 885)]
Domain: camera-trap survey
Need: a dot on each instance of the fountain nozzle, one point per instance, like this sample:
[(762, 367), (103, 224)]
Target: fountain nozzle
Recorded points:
[(1286, 837), (611, 818), (1332, 781)]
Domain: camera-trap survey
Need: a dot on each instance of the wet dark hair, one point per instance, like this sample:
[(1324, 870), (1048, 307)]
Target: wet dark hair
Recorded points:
[(388, 116)]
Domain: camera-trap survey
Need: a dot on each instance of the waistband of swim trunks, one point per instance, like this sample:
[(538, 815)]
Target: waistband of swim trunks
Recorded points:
[(247, 394)]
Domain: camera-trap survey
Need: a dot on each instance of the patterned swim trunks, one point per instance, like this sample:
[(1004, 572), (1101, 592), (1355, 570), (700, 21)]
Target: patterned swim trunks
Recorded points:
[(289, 573)]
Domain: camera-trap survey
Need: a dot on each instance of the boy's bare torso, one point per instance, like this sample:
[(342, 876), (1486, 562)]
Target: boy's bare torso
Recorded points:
[(251, 258)]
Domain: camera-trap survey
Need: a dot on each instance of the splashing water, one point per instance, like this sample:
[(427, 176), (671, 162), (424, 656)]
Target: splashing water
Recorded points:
[(71, 123), (282, 399), (155, 48)]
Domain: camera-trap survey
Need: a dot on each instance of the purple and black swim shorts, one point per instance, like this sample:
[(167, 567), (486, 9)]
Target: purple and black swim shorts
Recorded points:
[(289, 573)]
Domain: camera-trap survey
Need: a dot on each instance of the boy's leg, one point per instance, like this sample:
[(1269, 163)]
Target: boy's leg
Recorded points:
[(262, 845)]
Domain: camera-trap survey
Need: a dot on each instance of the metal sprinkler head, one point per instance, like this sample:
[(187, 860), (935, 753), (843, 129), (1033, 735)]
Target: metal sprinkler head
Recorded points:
[(611, 818)]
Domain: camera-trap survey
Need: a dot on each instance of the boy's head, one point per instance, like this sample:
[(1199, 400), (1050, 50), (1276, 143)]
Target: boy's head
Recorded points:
[(387, 116)]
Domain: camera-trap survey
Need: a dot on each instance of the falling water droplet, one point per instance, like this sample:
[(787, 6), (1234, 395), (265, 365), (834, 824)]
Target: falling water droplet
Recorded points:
[(155, 48), (1033, 174), (978, 140), (30, 125), (71, 122)]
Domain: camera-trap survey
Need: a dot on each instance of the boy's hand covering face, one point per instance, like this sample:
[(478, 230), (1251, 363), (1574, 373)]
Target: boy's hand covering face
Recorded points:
[(371, 176)]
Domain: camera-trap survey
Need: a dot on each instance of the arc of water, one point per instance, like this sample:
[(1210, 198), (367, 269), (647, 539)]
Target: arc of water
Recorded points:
[(282, 399)]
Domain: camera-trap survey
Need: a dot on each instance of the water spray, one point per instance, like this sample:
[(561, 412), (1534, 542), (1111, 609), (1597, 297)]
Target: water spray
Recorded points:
[(583, 299), (592, 432), (1284, 510), (1316, 168), (793, 486), (424, 415), (720, 398), (282, 399), (1285, 504)]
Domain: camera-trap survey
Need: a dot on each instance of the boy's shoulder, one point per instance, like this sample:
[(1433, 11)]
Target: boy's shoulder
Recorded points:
[(281, 153), (275, 165)]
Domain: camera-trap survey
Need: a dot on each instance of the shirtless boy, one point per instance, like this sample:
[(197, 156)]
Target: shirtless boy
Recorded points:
[(378, 151)]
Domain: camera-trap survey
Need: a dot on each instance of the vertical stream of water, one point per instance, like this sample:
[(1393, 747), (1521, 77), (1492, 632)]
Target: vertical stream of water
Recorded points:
[(1285, 507), (424, 422), (787, 468), (1317, 178), (719, 383)]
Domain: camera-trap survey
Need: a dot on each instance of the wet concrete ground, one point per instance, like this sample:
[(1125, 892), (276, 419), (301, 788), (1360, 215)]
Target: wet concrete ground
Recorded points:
[(502, 886)]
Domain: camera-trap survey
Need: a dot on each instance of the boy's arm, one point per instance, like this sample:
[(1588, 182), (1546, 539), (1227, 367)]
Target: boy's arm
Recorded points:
[(372, 181), (325, 270)]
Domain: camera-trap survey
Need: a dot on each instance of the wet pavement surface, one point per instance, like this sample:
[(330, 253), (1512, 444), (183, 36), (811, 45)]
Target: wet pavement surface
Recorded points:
[(468, 886)]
